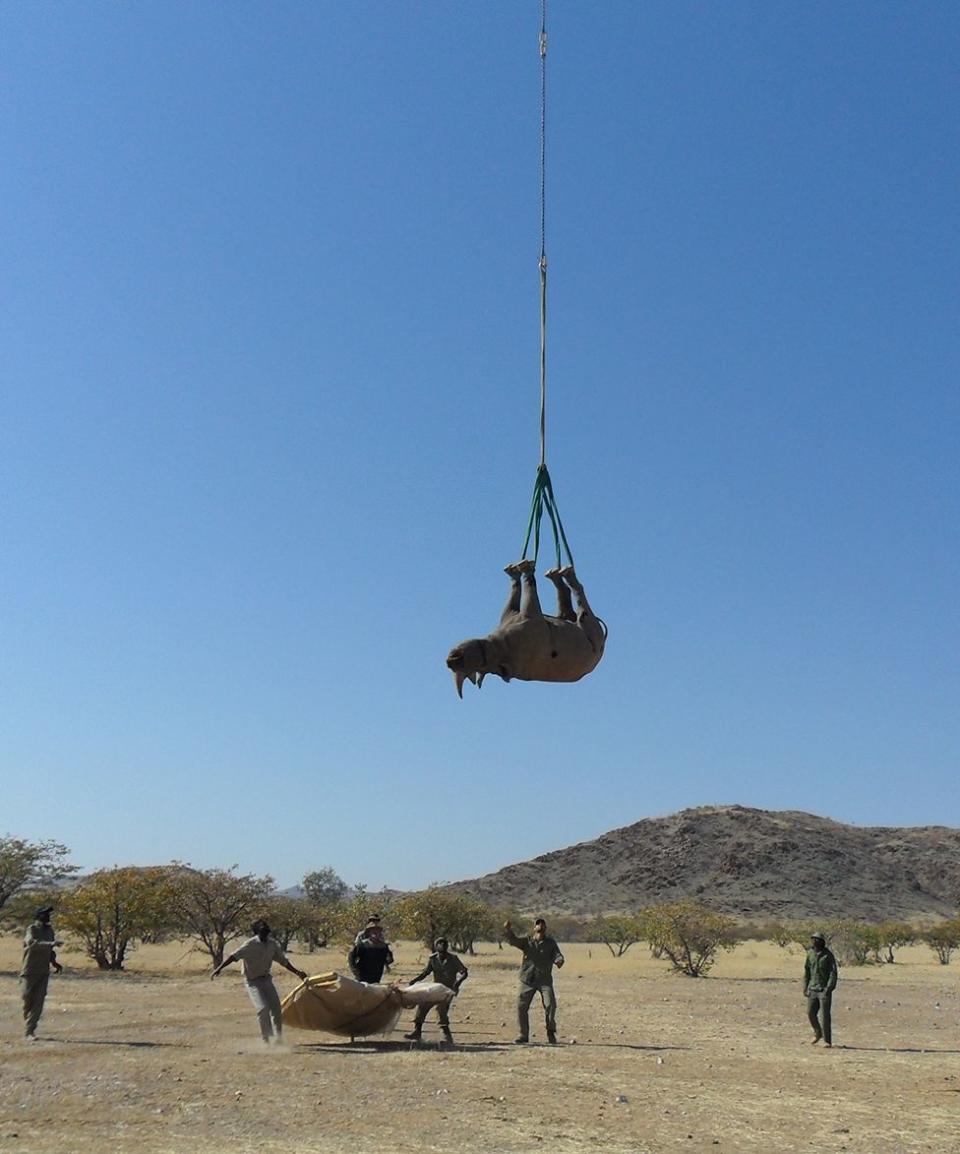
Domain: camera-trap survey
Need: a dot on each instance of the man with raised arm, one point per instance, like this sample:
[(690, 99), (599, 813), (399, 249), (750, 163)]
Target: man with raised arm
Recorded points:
[(540, 954)]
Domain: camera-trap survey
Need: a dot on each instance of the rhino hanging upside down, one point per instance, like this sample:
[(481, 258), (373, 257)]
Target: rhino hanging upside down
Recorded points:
[(528, 644)]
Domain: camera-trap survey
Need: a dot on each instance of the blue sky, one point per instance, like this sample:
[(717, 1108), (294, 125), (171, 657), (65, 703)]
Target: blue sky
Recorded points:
[(269, 321)]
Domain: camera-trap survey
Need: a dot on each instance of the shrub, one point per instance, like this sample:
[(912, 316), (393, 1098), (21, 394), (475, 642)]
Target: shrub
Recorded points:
[(943, 939), (688, 934)]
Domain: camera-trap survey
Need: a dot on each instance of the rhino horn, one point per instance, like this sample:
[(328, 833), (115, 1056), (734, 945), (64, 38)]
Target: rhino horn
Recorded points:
[(459, 677)]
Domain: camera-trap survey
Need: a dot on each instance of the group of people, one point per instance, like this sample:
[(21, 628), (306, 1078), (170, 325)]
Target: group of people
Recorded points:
[(370, 957)]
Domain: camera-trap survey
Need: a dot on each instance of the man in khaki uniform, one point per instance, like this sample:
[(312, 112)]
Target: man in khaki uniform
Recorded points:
[(39, 954), (448, 970), (257, 955), (540, 955)]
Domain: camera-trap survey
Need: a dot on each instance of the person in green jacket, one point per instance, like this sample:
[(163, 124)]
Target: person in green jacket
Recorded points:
[(540, 955), (819, 982), (448, 970)]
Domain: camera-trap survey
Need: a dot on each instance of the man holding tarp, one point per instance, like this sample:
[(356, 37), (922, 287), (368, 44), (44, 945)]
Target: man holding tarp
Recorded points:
[(448, 970), (257, 955)]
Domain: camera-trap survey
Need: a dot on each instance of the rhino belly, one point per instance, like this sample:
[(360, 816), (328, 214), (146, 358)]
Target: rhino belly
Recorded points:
[(561, 652)]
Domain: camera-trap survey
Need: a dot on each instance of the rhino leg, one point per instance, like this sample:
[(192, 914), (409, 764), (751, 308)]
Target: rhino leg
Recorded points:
[(565, 609), (512, 607), (527, 602), (583, 606)]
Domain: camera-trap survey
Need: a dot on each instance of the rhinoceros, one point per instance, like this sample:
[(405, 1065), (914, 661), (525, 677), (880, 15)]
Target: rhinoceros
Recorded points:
[(528, 644)]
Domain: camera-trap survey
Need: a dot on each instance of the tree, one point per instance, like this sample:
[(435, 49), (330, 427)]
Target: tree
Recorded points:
[(342, 921), (27, 865), (688, 934), (326, 892), (113, 909), (618, 932), (781, 933), (854, 943), (214, 905), (288, 918), (324, 887), (435, 912), (943, 939), (892, 936)]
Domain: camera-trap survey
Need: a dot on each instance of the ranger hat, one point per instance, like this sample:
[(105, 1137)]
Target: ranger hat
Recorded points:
[(43, 910)]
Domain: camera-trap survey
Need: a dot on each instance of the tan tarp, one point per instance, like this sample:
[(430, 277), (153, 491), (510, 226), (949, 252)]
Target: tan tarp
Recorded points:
[(340, 1005)]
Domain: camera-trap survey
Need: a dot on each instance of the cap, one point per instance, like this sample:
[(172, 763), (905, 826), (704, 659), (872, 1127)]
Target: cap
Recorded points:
[(43, 910)]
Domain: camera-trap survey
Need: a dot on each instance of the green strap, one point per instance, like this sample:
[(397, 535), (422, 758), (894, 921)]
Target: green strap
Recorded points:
[(543, 499)]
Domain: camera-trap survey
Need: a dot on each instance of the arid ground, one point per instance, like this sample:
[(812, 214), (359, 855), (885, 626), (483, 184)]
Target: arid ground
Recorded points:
[(159, 1059)]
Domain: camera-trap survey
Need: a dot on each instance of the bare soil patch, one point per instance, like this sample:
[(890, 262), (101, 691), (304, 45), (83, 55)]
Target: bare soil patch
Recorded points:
[(160, 1060)]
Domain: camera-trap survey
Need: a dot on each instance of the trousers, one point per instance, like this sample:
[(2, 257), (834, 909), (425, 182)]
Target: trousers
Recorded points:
[(549, 999), (266, 1001), (818, 1011), (33, 989), (443, 1015)]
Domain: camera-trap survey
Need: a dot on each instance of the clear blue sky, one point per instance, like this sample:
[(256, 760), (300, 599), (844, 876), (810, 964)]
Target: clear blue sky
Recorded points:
[(269, 330)]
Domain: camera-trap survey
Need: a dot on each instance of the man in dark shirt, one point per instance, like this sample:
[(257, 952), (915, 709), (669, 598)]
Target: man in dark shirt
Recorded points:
[(819, 982), (39, 955), (448, 970), (540, 955), (370, 955)]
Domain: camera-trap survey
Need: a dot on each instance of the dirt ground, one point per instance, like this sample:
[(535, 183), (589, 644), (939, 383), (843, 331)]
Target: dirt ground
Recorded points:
[(159, 1059)]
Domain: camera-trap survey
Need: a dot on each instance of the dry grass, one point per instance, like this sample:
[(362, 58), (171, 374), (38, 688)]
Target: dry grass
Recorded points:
[(162, 1060)]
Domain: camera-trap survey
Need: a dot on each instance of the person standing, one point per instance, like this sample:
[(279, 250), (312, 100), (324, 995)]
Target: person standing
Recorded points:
[(370, 955), (39, 955), (819, 982), (257, 955), (448, 970), (373, 920), (540, 954)]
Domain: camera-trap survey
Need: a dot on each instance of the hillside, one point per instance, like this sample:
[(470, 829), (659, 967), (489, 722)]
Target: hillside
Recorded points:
[(750, 863)]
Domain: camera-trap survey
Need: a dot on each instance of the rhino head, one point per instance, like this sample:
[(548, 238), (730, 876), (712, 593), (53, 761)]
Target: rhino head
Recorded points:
[(472, 660)]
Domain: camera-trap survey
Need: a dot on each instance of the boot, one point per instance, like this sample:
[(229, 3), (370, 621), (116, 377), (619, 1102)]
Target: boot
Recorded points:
[(447, 1036), (413, 1036)]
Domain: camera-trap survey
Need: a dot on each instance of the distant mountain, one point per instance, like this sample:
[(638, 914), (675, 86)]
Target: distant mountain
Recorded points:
[(750, 863)]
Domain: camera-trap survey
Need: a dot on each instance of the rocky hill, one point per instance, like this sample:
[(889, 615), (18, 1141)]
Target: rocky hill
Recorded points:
[(750, 863)]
